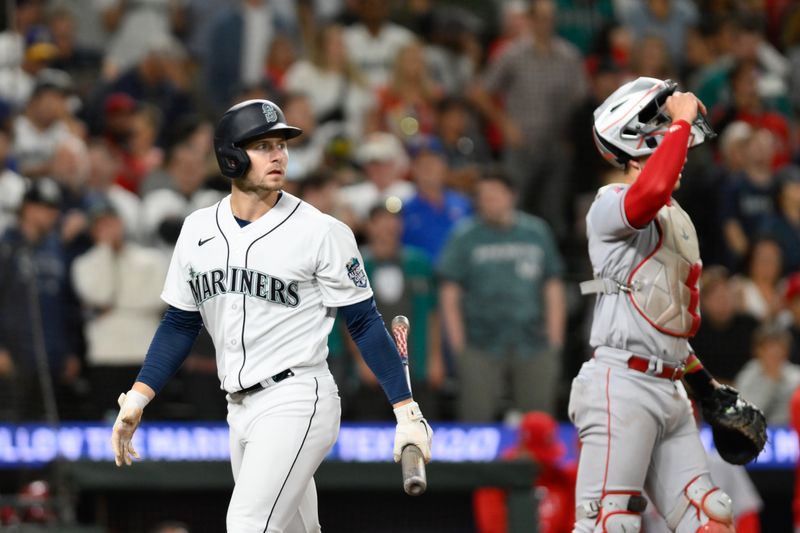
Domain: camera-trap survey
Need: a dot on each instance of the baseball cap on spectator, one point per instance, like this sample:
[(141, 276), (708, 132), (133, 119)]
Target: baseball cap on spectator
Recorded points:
[(51, 79), (39, 45), (118, 103), (538, 434), (792, 287), (100, 209), (43, 191), (425, 144), (380, 147)]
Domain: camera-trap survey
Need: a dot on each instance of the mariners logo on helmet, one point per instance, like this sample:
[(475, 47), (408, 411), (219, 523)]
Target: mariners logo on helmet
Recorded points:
[(269, 112)]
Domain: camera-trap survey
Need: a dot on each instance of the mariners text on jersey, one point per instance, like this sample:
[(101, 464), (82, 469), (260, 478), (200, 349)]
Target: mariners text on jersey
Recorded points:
[(206, 285)]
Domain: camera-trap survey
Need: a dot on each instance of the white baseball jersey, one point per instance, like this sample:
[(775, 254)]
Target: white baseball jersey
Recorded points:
[(615, 249), (266, 291)]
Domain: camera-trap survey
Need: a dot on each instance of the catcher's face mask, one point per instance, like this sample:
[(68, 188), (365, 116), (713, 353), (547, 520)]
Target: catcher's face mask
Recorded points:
[(632, 121)]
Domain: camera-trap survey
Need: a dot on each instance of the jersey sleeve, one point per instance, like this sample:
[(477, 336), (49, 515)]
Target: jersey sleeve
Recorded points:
[(340, 269), (177, 292), (606, 218)]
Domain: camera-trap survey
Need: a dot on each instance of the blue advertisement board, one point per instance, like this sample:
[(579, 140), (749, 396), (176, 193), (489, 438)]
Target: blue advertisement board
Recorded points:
[(30, 445)]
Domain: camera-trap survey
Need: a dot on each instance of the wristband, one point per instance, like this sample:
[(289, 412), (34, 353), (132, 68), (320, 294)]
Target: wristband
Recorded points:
[(137, 399)]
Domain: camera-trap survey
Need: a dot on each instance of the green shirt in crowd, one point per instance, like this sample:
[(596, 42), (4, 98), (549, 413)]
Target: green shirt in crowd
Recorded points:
[(502, 272)]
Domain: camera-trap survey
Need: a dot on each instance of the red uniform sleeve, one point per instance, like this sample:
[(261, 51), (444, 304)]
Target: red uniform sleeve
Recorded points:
[(653, 188)]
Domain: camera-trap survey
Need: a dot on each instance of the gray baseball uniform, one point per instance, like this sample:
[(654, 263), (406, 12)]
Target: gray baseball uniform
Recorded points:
[(637, 429)]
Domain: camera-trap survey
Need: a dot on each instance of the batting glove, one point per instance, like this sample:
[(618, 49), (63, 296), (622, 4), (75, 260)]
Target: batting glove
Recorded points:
[(131, 406), (412, 428)]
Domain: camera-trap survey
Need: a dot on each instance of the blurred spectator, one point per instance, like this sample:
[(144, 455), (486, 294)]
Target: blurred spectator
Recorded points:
[(159, 79), (784, 226), (133, 27), (139, 155), (17, 81), (41, 128), (239, 39), (163, 210), (406, 106), (580, 21), (26, 14), (757, 290), (792, 315), (613, 45), (503, 305), (542, 82), (515, 25), (453, 50), (321, 189), (725, 335), (308, 150), (667, 19), (385, 164), (119, 285), (650, 57), (769, 380), (81, 63), (12, 185), (103, 169), (280, 57), (747, 104), (606, 77), (402, 280), (465, 149), (336, 90), (431, 213), (748, 196), (37, 318), (538, 441), (374, 42)]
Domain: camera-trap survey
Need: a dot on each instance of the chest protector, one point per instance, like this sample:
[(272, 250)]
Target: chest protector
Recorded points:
[(663, 287)]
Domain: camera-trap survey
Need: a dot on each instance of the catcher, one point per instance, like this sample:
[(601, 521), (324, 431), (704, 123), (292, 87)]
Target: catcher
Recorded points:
[(628, 403)]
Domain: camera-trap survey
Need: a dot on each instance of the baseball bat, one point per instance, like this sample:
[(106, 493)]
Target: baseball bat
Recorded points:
[(415, 480)]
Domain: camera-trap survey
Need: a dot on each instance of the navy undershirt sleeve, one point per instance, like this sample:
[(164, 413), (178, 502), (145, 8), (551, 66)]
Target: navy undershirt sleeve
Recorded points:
[(367, 329), (170, 346)]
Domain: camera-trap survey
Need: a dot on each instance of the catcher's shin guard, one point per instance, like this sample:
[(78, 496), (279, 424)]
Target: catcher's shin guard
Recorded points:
[(709, 504), (616, 512)]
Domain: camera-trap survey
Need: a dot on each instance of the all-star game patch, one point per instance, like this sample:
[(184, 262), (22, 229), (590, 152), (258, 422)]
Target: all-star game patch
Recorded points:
[(356, 273)]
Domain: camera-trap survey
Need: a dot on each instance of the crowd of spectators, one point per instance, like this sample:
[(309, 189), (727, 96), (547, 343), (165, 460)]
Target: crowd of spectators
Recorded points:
[(453, 137)]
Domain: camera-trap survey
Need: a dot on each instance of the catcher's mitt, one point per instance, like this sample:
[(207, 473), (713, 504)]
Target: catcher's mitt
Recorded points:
[(739, 427)]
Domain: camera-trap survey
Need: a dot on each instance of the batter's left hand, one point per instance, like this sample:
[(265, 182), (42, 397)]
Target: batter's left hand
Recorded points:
[(412, 428), (128, 419)]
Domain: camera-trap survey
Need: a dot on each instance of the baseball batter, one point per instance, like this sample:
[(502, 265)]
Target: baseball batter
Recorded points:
[(628, 403), (265, 273)]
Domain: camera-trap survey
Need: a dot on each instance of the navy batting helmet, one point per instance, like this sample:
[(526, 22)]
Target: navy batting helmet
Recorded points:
[(243, 123)]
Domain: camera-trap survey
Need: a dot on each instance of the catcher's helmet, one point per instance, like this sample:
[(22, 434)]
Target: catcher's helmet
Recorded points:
[(632, 121), (241, 124)]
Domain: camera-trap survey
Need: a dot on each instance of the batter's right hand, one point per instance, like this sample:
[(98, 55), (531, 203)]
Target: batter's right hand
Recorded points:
[(684, 106), (131, 407), (412, 428)]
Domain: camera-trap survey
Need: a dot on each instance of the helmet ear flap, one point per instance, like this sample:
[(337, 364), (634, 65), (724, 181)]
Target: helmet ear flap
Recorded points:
[(233, 161)]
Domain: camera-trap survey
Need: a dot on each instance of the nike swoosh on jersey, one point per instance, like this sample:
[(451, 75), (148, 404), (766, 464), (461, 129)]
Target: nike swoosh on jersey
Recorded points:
[(201, 242)]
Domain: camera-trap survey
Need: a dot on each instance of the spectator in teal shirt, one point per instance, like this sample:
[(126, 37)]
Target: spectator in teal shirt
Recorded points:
[(503, 306)]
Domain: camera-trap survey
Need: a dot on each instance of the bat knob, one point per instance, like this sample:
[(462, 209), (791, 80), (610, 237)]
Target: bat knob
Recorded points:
[(401, 321), (415, 479)]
